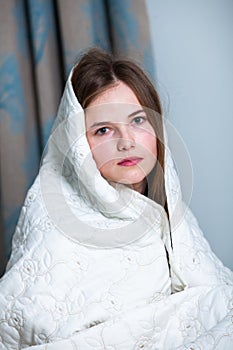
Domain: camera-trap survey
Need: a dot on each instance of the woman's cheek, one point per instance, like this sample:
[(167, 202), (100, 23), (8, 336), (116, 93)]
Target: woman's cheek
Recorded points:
[(103, 152), (148, 142)]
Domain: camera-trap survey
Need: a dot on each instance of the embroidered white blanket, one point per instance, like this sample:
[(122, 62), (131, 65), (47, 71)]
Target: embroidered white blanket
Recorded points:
[(95, 267)]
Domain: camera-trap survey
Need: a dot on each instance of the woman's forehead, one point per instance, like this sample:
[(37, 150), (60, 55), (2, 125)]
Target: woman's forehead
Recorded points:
[(112, 112), (115, 104), (118, 93)]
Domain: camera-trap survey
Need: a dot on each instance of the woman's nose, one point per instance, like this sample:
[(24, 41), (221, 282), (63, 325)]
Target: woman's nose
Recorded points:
[(126, 141)]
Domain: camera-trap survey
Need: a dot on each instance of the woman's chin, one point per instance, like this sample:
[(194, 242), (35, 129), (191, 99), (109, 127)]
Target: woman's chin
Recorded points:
[(137, 183)]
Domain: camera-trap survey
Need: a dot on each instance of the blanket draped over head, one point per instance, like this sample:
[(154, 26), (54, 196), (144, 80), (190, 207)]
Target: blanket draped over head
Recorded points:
[(97, 266)]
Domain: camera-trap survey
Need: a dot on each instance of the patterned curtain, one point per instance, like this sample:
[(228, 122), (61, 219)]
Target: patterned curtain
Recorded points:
[(40, 40)]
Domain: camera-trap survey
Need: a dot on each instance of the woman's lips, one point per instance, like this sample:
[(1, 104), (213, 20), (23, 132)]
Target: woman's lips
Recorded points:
[(130, 161)]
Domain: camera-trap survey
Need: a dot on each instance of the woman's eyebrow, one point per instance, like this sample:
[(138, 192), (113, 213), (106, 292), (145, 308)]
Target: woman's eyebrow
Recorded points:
[(99, 124), (136, 112)]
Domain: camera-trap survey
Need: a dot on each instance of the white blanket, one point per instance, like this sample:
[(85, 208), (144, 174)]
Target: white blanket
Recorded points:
[(95, 267)]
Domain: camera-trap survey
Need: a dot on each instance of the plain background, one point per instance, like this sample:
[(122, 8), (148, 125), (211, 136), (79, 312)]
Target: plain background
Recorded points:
[(193, 48)]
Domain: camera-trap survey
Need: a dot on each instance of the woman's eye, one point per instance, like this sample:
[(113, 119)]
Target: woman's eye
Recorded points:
[(101, 131), (138, 120)]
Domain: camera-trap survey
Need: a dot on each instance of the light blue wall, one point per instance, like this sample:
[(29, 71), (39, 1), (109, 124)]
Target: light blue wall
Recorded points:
[(193, 47)]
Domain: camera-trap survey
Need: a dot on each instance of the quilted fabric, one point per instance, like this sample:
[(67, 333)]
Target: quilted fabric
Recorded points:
[(94, 265)]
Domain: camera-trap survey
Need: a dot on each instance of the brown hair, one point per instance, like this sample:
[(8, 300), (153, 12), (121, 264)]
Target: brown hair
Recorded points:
[(96, 72)]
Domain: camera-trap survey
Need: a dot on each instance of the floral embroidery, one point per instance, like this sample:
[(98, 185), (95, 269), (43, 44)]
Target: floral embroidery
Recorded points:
[(78, 262), (75, 304), (41, 338), (45, 224), (111, 302), (190, 328), (59, 311), (31, 196), (78, 153), (19, 237), (14, 318), (148, 342), (29, 269)]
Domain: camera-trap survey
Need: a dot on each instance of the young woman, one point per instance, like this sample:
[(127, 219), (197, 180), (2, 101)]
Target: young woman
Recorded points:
[(105, 254)]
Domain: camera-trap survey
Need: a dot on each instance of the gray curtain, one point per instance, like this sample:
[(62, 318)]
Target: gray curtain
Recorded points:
[(40, 40)]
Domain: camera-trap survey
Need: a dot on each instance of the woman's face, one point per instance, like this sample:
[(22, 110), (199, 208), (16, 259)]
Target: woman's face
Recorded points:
[(121, 138)]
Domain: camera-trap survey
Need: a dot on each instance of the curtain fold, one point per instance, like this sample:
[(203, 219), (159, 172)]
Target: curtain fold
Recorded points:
[(82, 24), (45, 54), (18, 130), (39, 43), (130, 31)]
